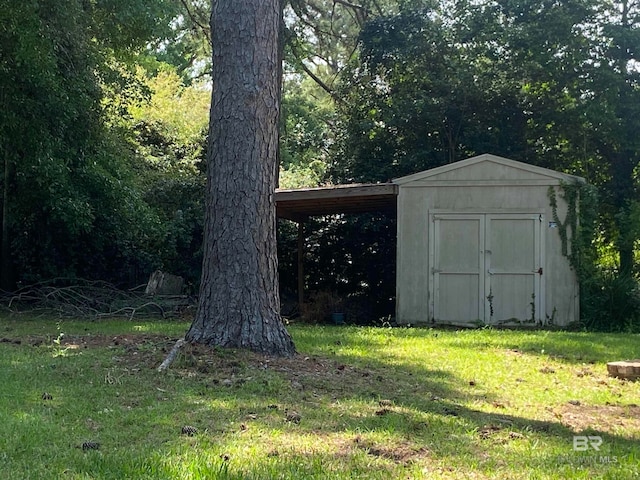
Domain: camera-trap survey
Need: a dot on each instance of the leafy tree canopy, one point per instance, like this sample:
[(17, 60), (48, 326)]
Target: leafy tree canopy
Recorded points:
[(69, 205)]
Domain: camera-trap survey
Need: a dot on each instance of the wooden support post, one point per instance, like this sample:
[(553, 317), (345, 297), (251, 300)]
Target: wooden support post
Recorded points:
[(300, 265)]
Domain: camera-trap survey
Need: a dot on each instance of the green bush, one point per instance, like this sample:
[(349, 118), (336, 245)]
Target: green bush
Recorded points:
[(611, 303)]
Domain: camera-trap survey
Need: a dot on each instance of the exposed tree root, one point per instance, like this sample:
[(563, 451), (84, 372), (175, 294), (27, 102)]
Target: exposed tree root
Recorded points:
[(172, 355)]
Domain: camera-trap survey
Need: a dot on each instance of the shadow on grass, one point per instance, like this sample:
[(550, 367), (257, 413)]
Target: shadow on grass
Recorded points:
[(398, 415), (333, 412), (584, 347)]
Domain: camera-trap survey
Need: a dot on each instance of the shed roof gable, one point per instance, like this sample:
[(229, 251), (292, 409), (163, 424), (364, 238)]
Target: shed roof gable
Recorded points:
[(487, 168)]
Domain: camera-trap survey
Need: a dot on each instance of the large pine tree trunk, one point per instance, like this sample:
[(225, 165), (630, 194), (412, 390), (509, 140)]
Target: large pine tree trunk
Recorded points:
[(239, 304)]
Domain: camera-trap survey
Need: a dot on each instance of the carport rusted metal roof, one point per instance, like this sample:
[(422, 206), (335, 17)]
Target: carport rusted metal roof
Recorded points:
[(299, 204)]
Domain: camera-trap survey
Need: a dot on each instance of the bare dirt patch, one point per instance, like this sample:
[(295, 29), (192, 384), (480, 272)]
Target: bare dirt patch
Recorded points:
[(224, 366), (603, 418), (96, 341), (304, 373), (400, 452)]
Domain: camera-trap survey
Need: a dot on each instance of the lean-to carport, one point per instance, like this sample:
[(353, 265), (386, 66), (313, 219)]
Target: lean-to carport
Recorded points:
[(300, 204)]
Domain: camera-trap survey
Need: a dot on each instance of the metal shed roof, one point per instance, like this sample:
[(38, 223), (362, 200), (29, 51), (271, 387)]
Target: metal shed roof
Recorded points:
[(299, 204)]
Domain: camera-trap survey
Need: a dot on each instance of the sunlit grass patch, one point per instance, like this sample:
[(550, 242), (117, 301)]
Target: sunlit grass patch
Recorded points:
[(355, 403)]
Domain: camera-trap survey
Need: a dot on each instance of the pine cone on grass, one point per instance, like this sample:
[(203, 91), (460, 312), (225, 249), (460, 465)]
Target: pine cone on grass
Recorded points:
[(90, 446), (189, 430)]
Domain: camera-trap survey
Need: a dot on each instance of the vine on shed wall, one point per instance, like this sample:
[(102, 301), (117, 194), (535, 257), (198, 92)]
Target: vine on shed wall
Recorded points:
[(608, 301), (577, 231), (578, 234)]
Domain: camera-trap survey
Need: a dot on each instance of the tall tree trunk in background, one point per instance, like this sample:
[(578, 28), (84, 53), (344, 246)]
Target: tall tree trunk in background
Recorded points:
[(6, 268), (239, 304), (622, 180), (6, 265)]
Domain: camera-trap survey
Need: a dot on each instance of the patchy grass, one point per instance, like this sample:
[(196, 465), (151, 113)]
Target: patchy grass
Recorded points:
[(355, 403)]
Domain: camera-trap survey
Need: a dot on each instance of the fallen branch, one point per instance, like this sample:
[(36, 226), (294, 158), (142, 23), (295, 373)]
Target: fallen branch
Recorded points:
[(85, 299), (172, 355)]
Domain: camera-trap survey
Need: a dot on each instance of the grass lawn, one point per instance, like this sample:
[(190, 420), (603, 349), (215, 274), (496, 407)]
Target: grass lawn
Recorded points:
[(355, 403)]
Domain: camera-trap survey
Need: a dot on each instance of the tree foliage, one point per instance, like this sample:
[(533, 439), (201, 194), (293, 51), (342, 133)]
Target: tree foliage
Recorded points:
[(441, 84), (70, 206), (105, 107), (549, 83)]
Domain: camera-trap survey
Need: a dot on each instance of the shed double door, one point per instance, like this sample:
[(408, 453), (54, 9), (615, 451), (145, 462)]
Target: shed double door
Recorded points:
[(486, 267)]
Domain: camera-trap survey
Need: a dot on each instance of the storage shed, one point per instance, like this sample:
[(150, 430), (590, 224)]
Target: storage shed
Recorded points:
[(478, 244)]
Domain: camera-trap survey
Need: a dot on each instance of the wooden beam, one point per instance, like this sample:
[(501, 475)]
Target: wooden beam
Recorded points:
[(339, 191), (360, 198), (300, 266)]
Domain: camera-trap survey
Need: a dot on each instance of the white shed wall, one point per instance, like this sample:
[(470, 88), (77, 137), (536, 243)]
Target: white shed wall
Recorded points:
[(484, 188)]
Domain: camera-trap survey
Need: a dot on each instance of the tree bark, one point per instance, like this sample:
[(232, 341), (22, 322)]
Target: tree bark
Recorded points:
[(622, 167), (6, 265), (239, 304)]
